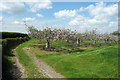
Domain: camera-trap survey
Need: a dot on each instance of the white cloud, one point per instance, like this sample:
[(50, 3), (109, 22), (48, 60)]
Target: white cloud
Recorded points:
[(14, 28), (77, 21), (65, 13), (28, 19), (39, 15), (14, 8), (84, 23), (42, 4), (103, 11), (25, 0), (101, 15), (1, 18), (81, 20), (16, 22), (113, 24), (17, 7), (81, 9), (68, 13)]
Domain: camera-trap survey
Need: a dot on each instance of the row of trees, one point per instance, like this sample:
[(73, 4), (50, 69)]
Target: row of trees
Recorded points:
[(67, 35), (49, 34), (94, 36)]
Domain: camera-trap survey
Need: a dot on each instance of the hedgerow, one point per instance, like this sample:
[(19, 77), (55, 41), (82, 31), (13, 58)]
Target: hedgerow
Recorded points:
[(8, 44), (12, 35)]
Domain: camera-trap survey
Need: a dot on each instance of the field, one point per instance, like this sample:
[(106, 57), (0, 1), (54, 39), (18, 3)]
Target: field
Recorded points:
[(30, 58), (86, 61), (66, 40)]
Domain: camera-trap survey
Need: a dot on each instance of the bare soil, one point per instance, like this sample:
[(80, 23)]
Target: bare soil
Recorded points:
[(17, 68)]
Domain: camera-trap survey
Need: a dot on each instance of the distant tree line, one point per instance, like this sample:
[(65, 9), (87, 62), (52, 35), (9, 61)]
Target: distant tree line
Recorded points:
[(116, 33)]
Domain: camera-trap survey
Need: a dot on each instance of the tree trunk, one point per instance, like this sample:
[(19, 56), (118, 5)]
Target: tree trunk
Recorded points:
[(81, 41), (67, 41), (110, 41), (47, 43), (94, 41), (104, 41), (55, 40), (78, 42), (115, 41)]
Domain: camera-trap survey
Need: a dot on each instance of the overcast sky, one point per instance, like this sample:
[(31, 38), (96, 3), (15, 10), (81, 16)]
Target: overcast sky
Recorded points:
[(80, 16)]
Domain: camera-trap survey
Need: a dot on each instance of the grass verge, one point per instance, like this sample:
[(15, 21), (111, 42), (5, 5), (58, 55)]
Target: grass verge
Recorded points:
[(27, 62)]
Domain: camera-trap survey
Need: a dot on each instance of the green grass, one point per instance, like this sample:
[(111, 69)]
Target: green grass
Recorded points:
[(27, 62), (82, 62), (91, 62)]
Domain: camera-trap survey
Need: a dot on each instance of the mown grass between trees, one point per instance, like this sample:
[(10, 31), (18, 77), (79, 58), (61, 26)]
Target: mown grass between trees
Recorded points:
[(92, 62)]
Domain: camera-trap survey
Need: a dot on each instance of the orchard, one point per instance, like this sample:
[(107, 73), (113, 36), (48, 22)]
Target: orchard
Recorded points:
[(70, 36)]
